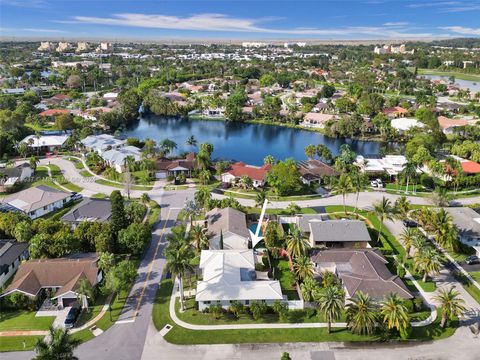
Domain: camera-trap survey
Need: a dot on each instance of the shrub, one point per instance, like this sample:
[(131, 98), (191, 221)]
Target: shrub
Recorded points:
[(281, 309), (427, 181), (257, 309), (216, 311), (409, 305), (236, 308)]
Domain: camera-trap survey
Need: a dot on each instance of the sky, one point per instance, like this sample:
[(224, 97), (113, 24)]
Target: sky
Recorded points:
[(245, 19)]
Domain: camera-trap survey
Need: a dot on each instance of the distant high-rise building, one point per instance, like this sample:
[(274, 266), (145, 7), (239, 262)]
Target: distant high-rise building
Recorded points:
[(82, 46), (105, 47), (46, 46), (254, 44), (390, 49), (64, 46)]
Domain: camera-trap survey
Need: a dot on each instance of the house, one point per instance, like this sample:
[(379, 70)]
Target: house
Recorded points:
[(11, 176), (101, 143), (395, 112), (44, 143), (52, 113), (36, 201), (98, 210), (339, 233), (214, 112), (258, 174), (229, 275), (405, 124), (302, 221), (228, 225), (166, 167), (316, 119), (313, 170), (467, 221), (447, 125), (58, 278), (12, 253), (362, 270), (390, 164), (116, 157)]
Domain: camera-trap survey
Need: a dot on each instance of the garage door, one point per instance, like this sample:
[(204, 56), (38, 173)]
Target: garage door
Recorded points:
[(69, 301)]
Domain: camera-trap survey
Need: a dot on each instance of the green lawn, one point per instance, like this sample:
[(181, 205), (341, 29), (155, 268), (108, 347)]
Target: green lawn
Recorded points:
[(120, 186), (154, 212), (16, 343), (23, 320), (457, 75), (85, 173), (58, 176), (179, 335), (283, 274), (476, 276), (256, 210)]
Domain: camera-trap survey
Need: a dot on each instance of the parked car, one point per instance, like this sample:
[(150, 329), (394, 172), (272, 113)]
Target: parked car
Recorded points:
[(71, 317), (76, 196), (379, 183), (472, 260), (410, 223), (374, 183)]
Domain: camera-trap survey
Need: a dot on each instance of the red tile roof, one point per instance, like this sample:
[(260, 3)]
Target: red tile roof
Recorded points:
[(54, 112), (470, 167), (240, 169), (395, 110), (445, 122)]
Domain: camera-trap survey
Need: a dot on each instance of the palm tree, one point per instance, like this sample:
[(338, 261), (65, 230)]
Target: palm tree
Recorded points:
[(198, 236), (383, 210), (297, 245), (59, 346), (331, 303), (440, 197), (394, 312), (303, 267), (33, 162), (191, 141), (246, 182), (261, 197), (358, 184), (361, 314), (168, 146), (409, 170), (145, 199), (203, 197), (309, 287), (310, 151), (402, 208), (428, 262), (269, 160), (408, 238), (179, 264), (85, 292), (450, 302), (343, 186), (444, 230), (129, 163), (205, 176)]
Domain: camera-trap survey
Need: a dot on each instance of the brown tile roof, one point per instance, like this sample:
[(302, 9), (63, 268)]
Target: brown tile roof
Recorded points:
[(167, 164), (63, 273), (316, 168), (54, 112), (363, 270), (445, 122)]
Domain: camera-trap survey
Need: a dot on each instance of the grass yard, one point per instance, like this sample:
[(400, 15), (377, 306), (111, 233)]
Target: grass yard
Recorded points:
[(18, 343), (255, 210), (85, 173), (457, 75), (283, 274), (23, 320), (58, 176), (154, 212), (120, 186)]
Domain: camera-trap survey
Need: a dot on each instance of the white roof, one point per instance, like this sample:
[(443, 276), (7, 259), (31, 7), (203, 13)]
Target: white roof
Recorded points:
[(229, 275), (117, 156), (404, 124), (392, 164), (110, 95), (46, 140), (101, 142)]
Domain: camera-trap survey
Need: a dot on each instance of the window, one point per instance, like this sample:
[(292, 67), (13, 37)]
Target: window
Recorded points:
[(206, 302), (45, 207), (247, 302)]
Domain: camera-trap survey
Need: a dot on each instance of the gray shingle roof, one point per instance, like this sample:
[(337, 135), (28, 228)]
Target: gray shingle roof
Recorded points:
[(466, 220), (339, 231), (89, 210), (227, 219), (10, 250), (35, 198)]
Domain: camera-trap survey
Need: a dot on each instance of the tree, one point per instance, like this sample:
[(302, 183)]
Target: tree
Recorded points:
[(246, 182), (327, 91), (64, 122), (343, 186), (204, 176), (118, 219), (285, 356), (284, 177), (383, 210), (309, 287), (179, 264), (85, 291), (199, 238), (167, 146), (293, 208), (260, 197), (428, 262), (236, 308), (121, 276), (440, 197), (145, 199), (361, 314), (408, 237), (310, 151), (409, 171), (33, 163), (202, 197), (134, 238), (331, 304), (324, 153), (106, 261), (297, 245), (272, 236), (402, 208), (269, 160), (191, 141), (394, 312), (23, 231), (257, 309), (59, 345), (451, 304), (281, 309), (303, 267)]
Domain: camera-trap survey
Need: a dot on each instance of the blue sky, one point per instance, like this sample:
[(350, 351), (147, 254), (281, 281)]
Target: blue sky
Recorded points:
[(246, 19)]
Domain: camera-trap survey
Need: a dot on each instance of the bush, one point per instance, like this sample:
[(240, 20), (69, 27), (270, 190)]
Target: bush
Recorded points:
[(216, 311), (257, 309), (409, 305), (236, 308), (427, 181)]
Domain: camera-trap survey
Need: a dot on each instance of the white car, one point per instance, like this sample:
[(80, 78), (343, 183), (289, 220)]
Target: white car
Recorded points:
[(374, 183), (379, 183)]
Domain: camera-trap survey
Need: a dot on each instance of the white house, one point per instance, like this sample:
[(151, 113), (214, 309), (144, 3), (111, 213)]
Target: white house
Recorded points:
[(46, 142), (101, 143), (467, 222), (36, 201), (405, 124), (116, 157), (390, 164), (229, 275), (9, 176)]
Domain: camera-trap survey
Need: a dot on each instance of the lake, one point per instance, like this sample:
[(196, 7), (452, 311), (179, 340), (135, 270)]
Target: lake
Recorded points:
[(474, 86), (242, 141)]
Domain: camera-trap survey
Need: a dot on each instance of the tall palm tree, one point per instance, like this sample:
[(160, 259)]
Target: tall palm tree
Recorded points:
[(331, 303), (408, 238), (402, 208), (444, 230), (384, 211), (205, 176), (33, 162), (129, 163), (203, 196), (450, 302), (168, 146), (85, 292), (309, 287), (310, 151), (358, 184), (297, 245), (428, 262), (269, 160), (179, 264), (59, 346), (394, 312), (191, 141), (303, 267), (261, 197), (198, 236), (409, 171), (361, 314), (343, 186)]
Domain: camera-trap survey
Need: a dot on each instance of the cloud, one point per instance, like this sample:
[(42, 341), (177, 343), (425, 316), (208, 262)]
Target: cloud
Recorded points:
[(225, 23), (397, 23), (462, 30), (25, 3), (33, 30), (462, 8), (431, 4)]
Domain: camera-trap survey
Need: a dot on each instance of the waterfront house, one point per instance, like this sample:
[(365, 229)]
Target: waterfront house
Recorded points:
[(174, 167), (313, 171), (12, 253), (229, 275), (36, 201), (58, 279), (115, 158), (405, 124), (227, 226), (101, 143), (389, 164), (258, 174), (447, 125), (362, 270)]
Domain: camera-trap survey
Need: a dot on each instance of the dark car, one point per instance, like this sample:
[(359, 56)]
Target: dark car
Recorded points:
[(410, 223), (71, 317), (472, 260)]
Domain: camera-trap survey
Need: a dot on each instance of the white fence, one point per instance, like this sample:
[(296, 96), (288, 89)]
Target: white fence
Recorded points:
[(296, 304), (287, 219)]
